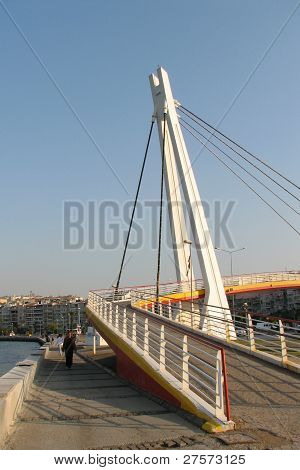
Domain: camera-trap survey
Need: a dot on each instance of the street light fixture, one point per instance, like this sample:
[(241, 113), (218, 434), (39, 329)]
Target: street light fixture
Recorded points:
[(230, 252), (188, 242)]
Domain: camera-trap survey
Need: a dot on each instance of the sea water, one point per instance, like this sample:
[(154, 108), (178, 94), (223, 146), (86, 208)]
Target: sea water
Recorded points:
[(12, 352)]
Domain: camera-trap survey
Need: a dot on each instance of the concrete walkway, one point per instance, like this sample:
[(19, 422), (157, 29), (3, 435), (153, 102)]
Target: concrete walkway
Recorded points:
[(88, 407)]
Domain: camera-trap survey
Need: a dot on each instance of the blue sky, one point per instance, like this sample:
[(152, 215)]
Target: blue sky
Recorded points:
[(100, 55)]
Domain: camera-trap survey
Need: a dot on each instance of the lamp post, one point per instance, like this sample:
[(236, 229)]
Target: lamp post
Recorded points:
[(63, 322), (188, 242), (78, 316), (230, 252)]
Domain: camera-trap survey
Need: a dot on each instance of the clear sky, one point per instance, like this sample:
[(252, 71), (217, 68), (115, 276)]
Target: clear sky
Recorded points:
[(100, 54)]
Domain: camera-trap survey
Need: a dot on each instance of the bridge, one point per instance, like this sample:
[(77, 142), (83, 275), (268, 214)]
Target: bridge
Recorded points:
[(226, 369), (160, 347), (178, 340)]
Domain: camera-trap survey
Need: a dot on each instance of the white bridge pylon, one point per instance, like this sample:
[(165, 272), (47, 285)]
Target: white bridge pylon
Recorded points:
[(178, 173)]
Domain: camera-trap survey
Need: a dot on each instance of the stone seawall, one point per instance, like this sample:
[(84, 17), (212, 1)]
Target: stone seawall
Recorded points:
[(14, 387)]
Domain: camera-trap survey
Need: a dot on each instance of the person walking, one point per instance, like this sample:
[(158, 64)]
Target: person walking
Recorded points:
[(69, 346)]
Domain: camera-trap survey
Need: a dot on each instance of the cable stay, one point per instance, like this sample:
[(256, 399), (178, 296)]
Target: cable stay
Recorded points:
[(241, 179), (196, 118), (161, 207), (241, 166), (134, 207)]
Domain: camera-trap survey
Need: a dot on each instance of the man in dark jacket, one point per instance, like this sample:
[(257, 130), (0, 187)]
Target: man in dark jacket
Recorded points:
[(69, 347)]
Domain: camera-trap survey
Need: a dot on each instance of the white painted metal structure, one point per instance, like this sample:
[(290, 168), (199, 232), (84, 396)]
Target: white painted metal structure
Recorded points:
[(178, 168), (277, 342), (194, 368)]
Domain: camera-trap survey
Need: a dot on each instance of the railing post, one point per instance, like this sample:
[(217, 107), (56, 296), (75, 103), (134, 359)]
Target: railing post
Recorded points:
[(134, 328), (152, 306), (219, 387), (160, 309), (180, 311), (125, 322), (162, 349), (208, 325), (284, 353), (185, 364), (251, 333), (94, 343), (170, 309), (110, 313), (117, 317), (227, 330), (146, 337)]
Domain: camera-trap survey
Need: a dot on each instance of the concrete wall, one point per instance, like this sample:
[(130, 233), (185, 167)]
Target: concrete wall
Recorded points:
[(14, 387)]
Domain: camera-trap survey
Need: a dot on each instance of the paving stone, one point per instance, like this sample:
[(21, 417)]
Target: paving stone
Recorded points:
[(171, 444), (187, 440), (235, 438), (183, 444)]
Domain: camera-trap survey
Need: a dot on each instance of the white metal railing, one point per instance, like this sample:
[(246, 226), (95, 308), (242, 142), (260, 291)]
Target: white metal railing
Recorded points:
[(192, 365), (277, 338), (256, 278), (198, 284)]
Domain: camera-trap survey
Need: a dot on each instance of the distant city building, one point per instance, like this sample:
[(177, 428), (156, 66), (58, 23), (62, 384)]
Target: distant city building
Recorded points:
[(277, 302), (42, 314)]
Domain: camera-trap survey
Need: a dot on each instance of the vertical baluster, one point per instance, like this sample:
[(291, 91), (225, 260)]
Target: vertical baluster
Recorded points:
[(219, 387), (125, 322), (117, 317), (185, 364), (94, 343), (110, 313), (134, 328), (284, 353), (251, 333), (178, 318), (170, 309), (146, 337), (162, 349)]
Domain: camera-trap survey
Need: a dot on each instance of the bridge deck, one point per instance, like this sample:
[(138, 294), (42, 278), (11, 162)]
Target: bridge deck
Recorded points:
[(264, 398)]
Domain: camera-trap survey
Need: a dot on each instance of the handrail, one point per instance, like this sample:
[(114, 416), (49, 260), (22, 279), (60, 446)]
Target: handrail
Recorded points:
[(284, 275), (232, 310), (171, 340), (274, 339)]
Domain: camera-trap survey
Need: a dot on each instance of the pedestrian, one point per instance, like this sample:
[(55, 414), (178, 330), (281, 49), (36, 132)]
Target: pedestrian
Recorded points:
[(59, 343), (69, 346)]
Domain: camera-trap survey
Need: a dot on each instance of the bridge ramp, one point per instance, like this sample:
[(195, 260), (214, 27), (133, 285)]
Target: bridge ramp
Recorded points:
[(87, 407)]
